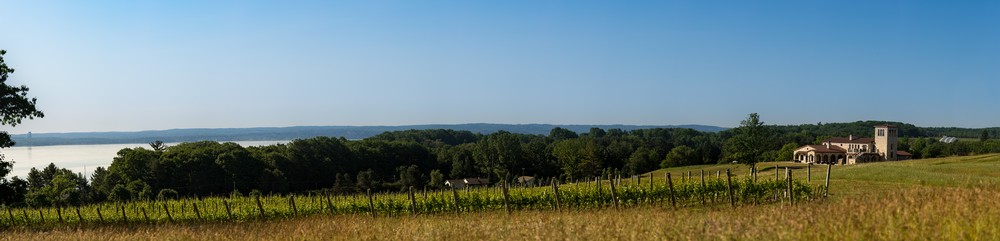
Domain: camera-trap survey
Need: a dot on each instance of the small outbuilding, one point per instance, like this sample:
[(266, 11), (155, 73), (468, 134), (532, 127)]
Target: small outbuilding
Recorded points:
[(903, 155), (467, 182), (526, 180)]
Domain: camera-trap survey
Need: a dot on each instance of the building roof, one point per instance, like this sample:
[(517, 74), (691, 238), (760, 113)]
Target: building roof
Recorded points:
[(824, 149), (848, 140), (470, 181), (903, 153), (885, 125), (477, 181), (525, 178)]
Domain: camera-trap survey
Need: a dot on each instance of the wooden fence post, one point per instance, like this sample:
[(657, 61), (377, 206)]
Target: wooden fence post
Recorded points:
[(506, 197), (124, 216), (704, 188), (40, 216), (291, 201), (98, 214), (614, 195), (555, 189), (599, 187), (329, 204), (827, 186), (78, 216), (729, 186), (809, 172), (260, 207), (11, 215), (785, 189), (371, 202), (718, 174), (650, 185), (25, 214), (776, 172), (59, 212), (143, 209), (454, 193), (791, 199), (670, 184), (194, 205), (167, 209), (413, 201), (228, 211)]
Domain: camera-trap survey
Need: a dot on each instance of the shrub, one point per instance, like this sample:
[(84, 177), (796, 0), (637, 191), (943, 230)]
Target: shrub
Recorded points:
[(255, 193), (235, 193), (120, 194), (167, 194)]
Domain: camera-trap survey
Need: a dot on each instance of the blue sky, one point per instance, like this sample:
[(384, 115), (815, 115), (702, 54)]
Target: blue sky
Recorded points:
[(139, 65)]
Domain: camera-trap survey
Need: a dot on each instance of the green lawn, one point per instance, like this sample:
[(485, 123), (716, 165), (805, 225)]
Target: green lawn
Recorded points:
[(845, 180)]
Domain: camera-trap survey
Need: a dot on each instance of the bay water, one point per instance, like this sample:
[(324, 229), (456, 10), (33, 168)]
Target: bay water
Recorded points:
[(78, 158)]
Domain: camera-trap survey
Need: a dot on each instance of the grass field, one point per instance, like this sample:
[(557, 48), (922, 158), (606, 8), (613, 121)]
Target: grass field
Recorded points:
[(954, 198)]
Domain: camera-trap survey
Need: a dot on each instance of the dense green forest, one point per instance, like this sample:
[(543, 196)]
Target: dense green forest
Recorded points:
[(425, 158)]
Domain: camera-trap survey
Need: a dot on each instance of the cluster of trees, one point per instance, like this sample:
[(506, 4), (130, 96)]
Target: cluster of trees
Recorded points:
[(983, 133), (390, 161), (931, 147)]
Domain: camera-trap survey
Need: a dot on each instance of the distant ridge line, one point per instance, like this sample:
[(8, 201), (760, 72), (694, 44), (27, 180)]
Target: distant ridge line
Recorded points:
[(301, 132)]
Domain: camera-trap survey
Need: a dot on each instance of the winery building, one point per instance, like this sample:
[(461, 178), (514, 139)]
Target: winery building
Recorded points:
[(853, 150)]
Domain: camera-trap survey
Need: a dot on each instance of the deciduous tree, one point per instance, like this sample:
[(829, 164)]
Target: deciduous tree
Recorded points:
[(679, 156), (14, 107), (785, 154), (750, 142)]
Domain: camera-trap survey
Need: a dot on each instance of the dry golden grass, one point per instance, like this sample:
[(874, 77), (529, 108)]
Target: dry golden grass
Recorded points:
[(928, 213), (954, 198)]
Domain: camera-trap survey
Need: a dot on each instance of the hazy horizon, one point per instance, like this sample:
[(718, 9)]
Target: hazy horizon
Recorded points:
[(431, 124), (132, 66)]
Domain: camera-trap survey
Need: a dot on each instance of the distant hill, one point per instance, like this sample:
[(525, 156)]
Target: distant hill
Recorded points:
[(300, 132)]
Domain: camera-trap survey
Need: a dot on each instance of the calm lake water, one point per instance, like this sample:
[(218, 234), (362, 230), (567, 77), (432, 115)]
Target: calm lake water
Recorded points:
[(78, 158)]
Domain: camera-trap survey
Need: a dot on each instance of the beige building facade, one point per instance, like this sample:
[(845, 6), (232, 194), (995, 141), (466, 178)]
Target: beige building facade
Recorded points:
[(852, 150)]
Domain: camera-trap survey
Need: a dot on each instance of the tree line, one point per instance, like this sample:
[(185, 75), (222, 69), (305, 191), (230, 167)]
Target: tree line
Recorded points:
[(395, 160), (389, 161)]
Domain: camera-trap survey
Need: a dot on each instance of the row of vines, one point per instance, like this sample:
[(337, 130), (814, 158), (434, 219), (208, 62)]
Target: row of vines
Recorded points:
[(580, 195)]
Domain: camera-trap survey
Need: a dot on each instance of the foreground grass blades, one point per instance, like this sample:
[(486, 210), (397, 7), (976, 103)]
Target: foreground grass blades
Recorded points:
[(930, 213)]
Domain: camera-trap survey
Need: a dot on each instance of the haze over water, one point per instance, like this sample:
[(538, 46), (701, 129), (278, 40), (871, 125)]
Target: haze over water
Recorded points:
[(78, 158)]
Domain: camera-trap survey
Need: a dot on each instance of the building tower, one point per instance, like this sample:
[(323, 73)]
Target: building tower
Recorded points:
[(885, 141)]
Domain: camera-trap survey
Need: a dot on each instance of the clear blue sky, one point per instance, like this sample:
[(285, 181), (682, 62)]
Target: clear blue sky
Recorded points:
[(138, 65)]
